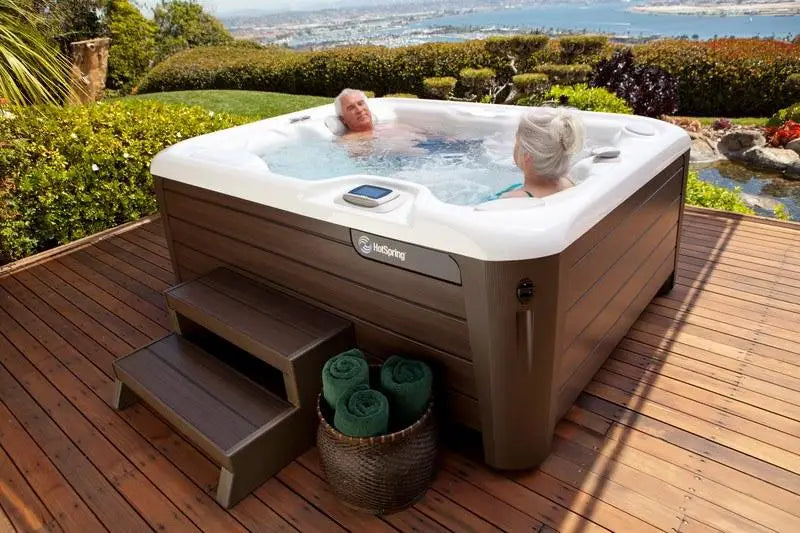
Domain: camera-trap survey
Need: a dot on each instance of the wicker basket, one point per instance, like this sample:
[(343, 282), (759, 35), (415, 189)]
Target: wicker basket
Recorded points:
[(378, 475)]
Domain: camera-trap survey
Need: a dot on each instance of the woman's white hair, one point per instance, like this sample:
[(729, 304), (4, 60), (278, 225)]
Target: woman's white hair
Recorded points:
[(337, 102), (550, 136)]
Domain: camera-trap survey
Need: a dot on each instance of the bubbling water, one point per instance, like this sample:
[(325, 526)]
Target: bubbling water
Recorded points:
[(456, 169)]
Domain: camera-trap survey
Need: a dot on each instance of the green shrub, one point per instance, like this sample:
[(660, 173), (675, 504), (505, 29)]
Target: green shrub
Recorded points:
[(440, 88), (517, 45), (789, 113), (400, 95), (477, 80), (322, 73), (565, 74), (594, 99), (530, 83), (520, 48), (728, 77), (71, 172), (704, 194), (792, 86), (133, 45), (574, 47)]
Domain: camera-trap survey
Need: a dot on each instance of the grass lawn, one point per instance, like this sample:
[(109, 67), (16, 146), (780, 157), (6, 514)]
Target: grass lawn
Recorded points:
[(254, 104), (742, 121)]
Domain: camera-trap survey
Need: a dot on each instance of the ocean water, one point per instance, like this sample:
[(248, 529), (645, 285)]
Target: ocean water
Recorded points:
[(456, 170), (614, 17)]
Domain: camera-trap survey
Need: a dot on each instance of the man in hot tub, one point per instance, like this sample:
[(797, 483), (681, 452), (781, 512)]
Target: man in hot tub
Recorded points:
[(364, 137), (352, 109), (547, 138)]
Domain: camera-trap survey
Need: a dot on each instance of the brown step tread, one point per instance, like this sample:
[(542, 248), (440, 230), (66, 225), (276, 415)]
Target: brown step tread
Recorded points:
[(213, 404), (270, 325)]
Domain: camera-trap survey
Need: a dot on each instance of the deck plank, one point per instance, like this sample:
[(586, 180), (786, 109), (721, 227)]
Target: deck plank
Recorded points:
[(692, 425)]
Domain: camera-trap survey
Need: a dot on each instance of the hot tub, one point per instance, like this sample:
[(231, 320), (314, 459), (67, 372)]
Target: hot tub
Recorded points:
[(516, 302)]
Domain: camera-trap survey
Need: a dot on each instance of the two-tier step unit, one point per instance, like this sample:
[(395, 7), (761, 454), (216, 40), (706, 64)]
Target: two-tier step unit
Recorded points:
[(239, 375)]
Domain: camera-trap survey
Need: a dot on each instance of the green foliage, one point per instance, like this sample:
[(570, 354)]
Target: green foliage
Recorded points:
[(400, 95), (780, 212), (565, 74), (574, 47), (67, 21), (727, 77), (440, 88), (704, 194), (527, 83), (133, 45), (516, 45), (325, 72), (789, 113), (31, 69), (71, 172), (183, 24), (595, 99), (520, 48), (792, 86)]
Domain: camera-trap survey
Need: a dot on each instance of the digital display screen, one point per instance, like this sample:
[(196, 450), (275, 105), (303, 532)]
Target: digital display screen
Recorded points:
[(371, 191)]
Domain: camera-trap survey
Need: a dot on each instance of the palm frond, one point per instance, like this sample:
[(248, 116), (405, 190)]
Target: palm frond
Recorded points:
[(32, 70)]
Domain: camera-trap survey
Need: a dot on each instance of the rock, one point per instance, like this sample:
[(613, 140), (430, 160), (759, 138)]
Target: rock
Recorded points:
[(736, 141), (703, 150), (794, 145), (770, 158), (758, 200)]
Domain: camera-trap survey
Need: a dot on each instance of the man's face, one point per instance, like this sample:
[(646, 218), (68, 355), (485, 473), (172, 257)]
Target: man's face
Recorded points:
[(355, 113)]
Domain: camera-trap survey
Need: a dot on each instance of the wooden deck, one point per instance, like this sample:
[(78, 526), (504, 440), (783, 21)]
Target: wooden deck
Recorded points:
[(692, 425)]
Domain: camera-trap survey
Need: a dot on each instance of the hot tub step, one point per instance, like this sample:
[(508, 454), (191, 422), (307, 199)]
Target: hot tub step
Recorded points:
[(247, 430), (282, 331)]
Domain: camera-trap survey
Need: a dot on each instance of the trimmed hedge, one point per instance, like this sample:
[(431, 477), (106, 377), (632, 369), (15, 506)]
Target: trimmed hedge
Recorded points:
[(440, 88), (565, 74), (66, 173), (729, 77), (530, 82), (326, 72), (574, 47)]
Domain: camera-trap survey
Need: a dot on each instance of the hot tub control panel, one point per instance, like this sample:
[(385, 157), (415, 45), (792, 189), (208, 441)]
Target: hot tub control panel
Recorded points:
[(370, 195)]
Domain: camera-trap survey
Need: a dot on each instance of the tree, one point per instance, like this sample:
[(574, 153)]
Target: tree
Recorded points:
[(133, 44), (67, 21), (183, 24), (32, 70)]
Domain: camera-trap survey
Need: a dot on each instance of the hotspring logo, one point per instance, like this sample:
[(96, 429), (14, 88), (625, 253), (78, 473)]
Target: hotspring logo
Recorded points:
[(367, 247)]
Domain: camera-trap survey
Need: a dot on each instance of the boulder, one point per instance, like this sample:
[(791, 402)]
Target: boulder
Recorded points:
[(770, 158), (703, 150), (794, 145), (736, 141)]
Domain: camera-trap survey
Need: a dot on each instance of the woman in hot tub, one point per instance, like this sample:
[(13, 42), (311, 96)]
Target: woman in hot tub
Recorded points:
[(547, 139)]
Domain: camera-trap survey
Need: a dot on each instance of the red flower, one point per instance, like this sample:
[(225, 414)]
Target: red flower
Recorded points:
[(781, 135)]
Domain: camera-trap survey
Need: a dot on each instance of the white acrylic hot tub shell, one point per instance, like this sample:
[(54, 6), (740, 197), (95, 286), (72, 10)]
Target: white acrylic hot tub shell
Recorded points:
[(228, 162)]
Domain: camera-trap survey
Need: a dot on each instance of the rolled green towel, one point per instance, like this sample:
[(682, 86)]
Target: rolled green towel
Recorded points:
[(407, 385), (362, 412), (342, 372)]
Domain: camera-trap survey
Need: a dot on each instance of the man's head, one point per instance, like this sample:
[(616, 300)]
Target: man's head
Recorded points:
[(353, 111)]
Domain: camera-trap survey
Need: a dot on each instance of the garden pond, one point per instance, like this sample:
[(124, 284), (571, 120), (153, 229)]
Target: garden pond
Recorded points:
[(761, 190)]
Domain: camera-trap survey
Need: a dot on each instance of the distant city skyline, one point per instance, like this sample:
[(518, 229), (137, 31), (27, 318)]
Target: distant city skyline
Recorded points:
[(230, 6)]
